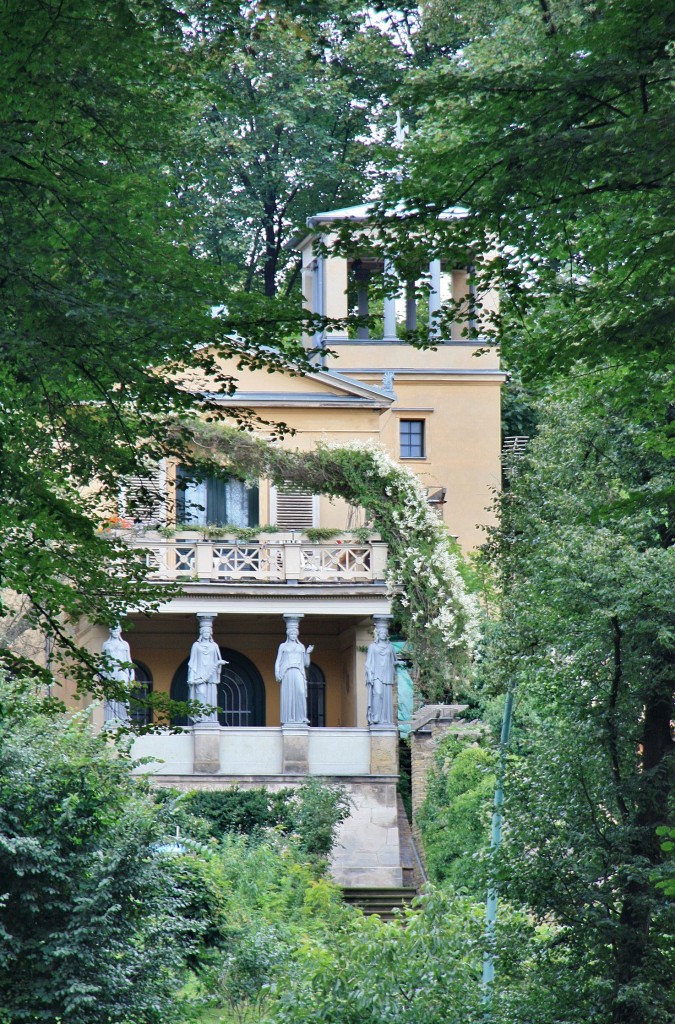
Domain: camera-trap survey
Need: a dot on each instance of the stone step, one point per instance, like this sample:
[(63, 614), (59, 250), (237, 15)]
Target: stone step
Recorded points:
[(382, 902)]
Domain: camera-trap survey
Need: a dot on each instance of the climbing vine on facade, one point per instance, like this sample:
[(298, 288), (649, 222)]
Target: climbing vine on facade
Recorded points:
[(426, 575)]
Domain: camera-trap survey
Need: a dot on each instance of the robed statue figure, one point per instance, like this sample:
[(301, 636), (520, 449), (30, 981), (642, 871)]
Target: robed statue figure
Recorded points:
[(291, 671), (119, 669), (204, 671), (380, 677)]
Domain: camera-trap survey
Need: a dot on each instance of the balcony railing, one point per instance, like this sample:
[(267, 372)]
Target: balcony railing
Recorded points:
[(270, 558)]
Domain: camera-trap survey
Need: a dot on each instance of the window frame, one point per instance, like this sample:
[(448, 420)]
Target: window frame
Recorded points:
[(213, 497), (407, 443)]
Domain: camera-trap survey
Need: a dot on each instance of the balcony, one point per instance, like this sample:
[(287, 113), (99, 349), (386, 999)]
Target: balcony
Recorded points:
[(280, 558)]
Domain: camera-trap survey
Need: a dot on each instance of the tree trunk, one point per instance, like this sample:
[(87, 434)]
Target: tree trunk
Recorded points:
[(271, 254), (655, 785)]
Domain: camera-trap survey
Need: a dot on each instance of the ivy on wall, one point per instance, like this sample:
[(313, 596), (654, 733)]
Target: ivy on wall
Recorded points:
[(426, 576)]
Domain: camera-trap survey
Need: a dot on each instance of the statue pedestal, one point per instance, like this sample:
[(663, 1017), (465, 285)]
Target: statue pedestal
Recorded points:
[(383, 750), (207, 748), (295, 756)]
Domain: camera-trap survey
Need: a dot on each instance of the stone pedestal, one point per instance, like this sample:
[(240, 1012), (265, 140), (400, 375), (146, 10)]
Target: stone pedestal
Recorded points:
[(383, 750), (207, 748), (295, 757), (367, 851)]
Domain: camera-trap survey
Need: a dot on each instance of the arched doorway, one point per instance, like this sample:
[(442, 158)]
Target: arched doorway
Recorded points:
[(316, 697), (241, 691), (140, 712)]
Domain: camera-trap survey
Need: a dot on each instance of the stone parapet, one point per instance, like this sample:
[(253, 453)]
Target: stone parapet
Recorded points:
[(430, 725)]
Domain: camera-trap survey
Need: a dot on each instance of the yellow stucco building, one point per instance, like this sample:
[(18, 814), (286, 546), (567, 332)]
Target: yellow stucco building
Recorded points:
[(436, 411)]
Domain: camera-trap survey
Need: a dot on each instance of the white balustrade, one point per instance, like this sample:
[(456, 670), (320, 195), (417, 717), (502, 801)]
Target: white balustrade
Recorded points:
[(283, 559)]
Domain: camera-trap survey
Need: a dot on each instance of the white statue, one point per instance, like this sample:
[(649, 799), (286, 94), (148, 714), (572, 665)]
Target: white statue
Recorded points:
[(291, 671), (119, 669), (204, 670), (380, 677)]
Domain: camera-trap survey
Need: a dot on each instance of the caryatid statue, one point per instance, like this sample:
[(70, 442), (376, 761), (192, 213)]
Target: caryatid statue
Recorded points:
[(119, 669), (204, 669), (291, 671), (381, 675)]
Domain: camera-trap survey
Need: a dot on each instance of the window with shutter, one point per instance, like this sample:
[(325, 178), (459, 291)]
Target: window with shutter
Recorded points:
[(294, 510), (215, 502), (143, 498)]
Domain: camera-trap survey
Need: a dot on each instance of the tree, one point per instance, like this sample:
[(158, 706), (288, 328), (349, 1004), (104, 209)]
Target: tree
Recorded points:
[(94, 919), (292, 94), (107, 327), (423, 968), (552, 123), (587, 638)]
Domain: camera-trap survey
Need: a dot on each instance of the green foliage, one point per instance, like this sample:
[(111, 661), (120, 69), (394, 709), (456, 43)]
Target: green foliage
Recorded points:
[(588, 636), (552, 123), (99, 286), (311, 813), (664, 878), (455, 817), (95, 921), (265, 899), (423, 969), (237, 810), (315, 813), (318, 533), (288, 96)]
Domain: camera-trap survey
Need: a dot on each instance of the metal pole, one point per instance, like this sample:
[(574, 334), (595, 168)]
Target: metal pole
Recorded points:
[(491, 907)]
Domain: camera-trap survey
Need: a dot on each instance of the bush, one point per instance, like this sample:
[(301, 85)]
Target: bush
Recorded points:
[(244, 811), (455, 817), (94, 925), (312, 812)]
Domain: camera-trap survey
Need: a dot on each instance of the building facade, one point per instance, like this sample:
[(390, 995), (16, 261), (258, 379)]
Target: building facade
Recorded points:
[(436, 411)]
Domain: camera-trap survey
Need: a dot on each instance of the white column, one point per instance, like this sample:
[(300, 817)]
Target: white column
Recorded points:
[(389, 308), (410, 306), (434, 295)]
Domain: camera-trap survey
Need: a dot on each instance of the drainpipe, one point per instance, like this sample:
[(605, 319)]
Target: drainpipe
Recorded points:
[(491, 906)]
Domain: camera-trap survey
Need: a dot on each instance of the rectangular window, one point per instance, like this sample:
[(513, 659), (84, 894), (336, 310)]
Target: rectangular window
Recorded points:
[(215, 502), (412, 439)]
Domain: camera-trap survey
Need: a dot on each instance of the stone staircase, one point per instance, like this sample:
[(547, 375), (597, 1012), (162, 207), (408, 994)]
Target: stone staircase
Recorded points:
[(384, 900), (412, 870), (380, 901)]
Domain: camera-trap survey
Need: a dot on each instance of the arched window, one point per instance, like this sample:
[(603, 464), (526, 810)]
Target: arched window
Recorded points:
[(140, 712), (241, 692), (316, 697)]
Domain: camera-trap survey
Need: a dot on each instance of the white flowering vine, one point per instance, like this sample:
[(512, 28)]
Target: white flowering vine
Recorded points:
[(437, 613)]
